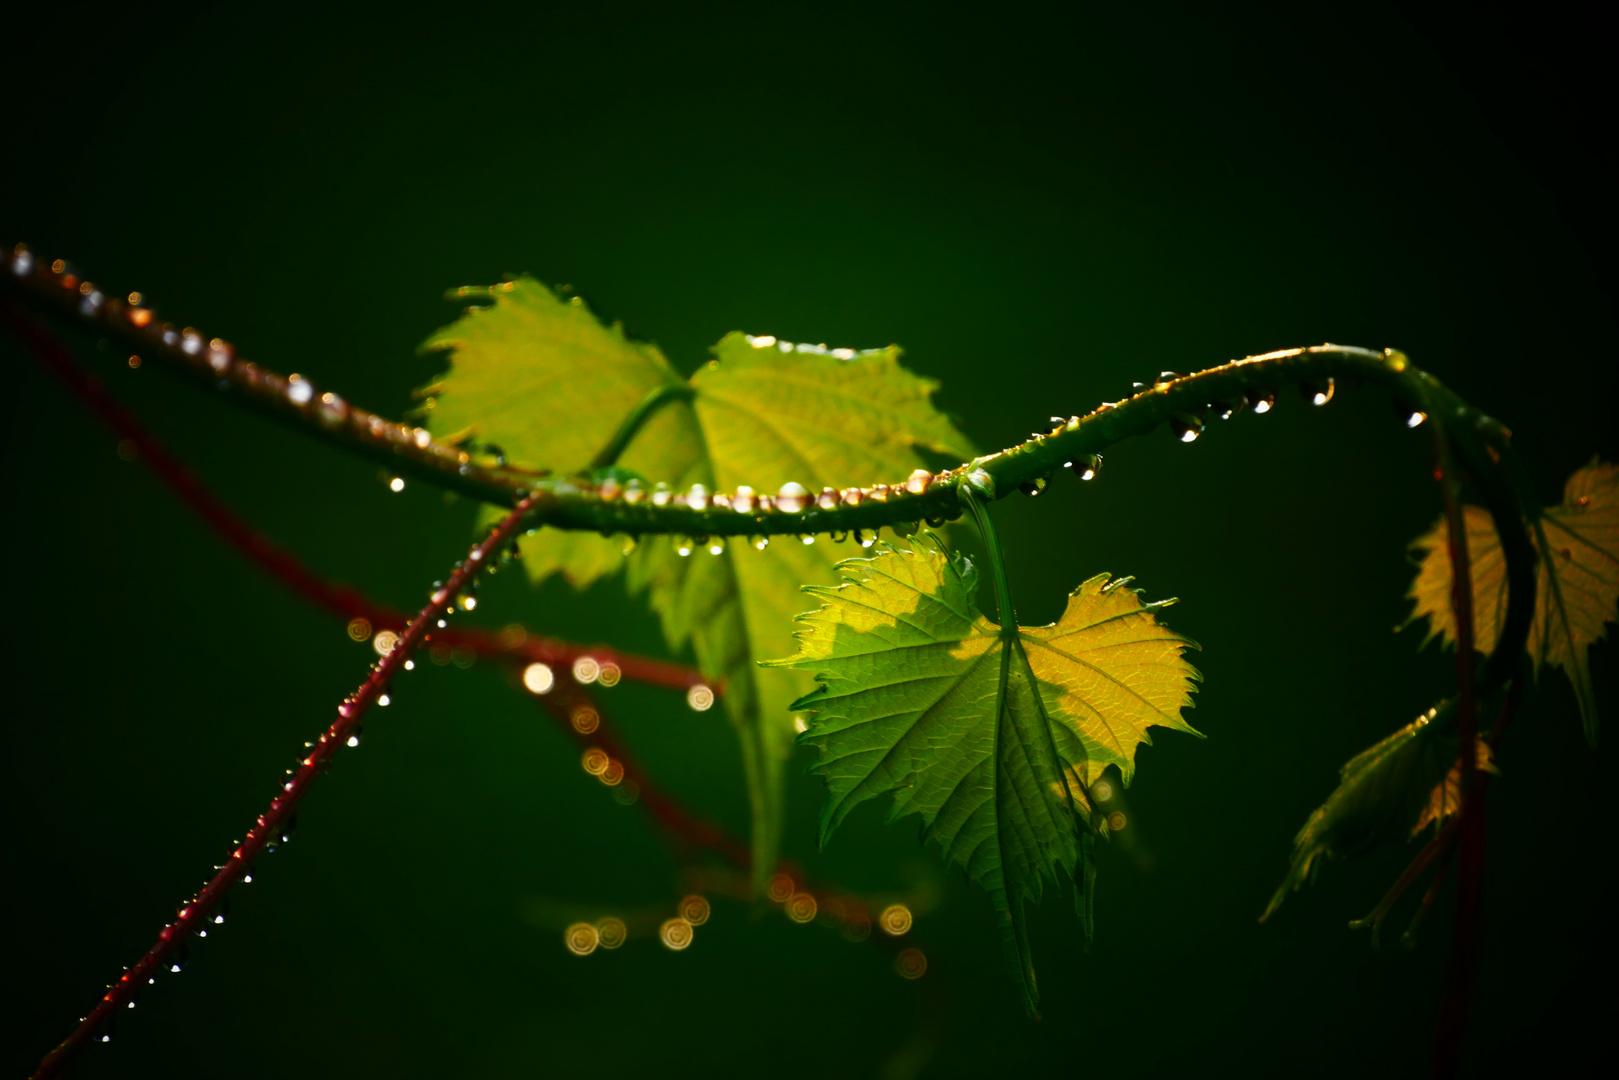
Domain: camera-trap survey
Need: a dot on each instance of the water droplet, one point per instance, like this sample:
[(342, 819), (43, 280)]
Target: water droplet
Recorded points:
[(356, 735), (1186, 428), (716, 545), (661, 494), (1116, 821), (1225, 410), (911, 964), (694, 909), (586, 670), (1033, 487), (626, 544), (466, 601), (538, 678), (676, 934), (780, 887), (1165, 378), (697, 497), (904, 528), (384, 700), (1415, 418), (683, 546), (384, 642), (584, 719), (878, 492), (828, 499), (895, 920), (838, 536), (808, 539), (633, 492), (865, 539), (581, 939), (22, 261), (700, 698), (761, 542), (853, 496), (299, 390), (595, 761), (397, 484), (793, 498), (1318, 393), (611, 932), (919, 481), (801, 907), (744, 501), (609, 489), (1261, 401), (983, 483)]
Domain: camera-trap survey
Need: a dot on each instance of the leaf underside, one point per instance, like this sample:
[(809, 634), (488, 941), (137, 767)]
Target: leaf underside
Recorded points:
[(1577, 586), (994, 737), (538, 375)]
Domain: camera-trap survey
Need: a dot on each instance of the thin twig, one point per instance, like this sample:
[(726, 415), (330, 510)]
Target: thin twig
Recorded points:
[(199, 911)]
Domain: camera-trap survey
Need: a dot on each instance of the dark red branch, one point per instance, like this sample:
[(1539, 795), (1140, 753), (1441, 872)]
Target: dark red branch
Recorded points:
[(1470, 818), (271, 823), (340, 600)]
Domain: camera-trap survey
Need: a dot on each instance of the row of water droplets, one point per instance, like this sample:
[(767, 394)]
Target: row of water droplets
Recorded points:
[(217, 359)]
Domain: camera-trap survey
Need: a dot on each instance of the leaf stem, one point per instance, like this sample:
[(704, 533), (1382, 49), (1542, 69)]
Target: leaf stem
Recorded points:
[(656, 398), (973, 499), (197, 912)]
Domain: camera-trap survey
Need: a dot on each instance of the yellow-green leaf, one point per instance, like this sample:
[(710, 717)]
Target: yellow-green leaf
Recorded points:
[(978, 728), (1576, 589), (540, 376)]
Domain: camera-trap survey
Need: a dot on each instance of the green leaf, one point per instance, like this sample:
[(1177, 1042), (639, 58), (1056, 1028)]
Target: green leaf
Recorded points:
[(993, 735), (1576, 591), (541, 377), (1383, 792)]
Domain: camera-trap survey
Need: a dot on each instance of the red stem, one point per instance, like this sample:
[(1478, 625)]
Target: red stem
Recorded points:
[(340, 600), (676, 821), (1470, 826), (269, 825)]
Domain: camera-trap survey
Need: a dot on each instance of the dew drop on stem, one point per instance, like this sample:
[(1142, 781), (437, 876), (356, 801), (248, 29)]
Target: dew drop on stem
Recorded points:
[(1318, 393), (1034, 487), (793, 498), (1261, 401), (761, 542), (1086, 466), (1186, 428)]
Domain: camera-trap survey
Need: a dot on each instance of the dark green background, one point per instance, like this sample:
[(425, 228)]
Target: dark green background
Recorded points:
[(1041, 210)]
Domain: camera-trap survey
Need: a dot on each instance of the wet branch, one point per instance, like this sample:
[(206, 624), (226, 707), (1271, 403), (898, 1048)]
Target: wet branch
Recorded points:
[(200, 910)]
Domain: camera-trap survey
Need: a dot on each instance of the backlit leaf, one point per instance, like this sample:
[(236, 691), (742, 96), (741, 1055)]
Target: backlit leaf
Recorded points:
[(992, 735), (540, 376), (1577, 587), (1381, 792)]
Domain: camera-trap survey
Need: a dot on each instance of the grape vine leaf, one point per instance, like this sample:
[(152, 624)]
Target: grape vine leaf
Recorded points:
[(993, 735), (537, 374), (1577, 586), (1381, 791), (1446, 797)]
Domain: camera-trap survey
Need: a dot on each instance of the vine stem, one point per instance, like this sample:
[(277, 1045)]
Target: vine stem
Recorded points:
[(1470, 818), (581, 505), (198, 911), (340, 600)]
